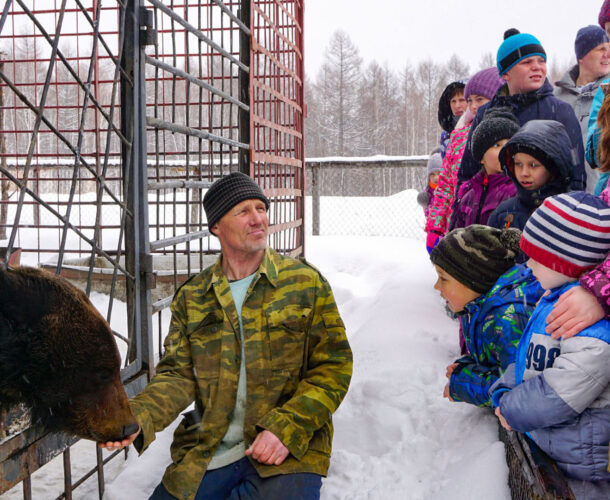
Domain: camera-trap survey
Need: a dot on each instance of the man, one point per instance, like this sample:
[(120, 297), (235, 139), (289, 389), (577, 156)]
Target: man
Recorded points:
[(257, 343), (579, 85), (521, 62)]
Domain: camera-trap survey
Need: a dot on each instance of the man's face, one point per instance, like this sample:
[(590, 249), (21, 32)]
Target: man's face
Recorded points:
[(244, 228), (527, 75), (597, 61)]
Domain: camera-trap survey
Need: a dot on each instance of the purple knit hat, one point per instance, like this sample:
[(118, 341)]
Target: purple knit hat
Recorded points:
[(486, 83), (604, 14)]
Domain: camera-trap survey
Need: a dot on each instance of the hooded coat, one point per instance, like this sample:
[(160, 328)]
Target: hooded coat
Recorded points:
[(480, 196), (539, 104), (581, 99), (492, 326), (446, 119), (548, 142)]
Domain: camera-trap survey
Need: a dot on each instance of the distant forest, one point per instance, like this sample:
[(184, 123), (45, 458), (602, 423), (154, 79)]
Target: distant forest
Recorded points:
[(360, 111)]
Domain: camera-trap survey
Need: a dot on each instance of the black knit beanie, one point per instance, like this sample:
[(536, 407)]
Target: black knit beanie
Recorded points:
[(227, 192), (477, 255), (497, 124)]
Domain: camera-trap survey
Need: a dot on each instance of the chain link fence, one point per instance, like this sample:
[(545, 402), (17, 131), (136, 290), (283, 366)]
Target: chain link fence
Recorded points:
[(374, 196)]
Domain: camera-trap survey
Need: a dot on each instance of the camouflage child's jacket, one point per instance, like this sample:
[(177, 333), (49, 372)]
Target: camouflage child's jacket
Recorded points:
[(289, 306)]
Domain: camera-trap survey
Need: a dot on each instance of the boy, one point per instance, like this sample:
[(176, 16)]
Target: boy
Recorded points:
[(435, 164), (538, 159), (558, 390), (493, 298), (521, 62), (481, 195)]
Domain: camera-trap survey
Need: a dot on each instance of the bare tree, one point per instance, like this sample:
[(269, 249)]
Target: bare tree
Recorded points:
[(337, 86), (456, 69), (487, 61)]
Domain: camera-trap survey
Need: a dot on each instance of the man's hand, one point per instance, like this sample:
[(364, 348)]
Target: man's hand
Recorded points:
[(575, 310), (268, 449), (503, 421), (118, 445)]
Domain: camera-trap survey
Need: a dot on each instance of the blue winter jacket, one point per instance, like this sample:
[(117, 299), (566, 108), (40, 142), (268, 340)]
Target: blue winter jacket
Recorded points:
[(540, 104), (558, 392), (548, 142), (492, 326)]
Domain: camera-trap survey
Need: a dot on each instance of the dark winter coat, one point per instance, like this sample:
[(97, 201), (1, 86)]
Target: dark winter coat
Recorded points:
[(558, 391), (540, 104), (547, 141), (446, 119), (492, 326), (480, 196)]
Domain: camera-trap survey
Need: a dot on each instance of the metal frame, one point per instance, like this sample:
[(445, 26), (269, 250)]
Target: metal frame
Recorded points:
[(153, 102)]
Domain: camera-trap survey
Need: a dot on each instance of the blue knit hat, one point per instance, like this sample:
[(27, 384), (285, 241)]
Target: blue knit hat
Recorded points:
[(569, 233), (515, 48), (587, 39)]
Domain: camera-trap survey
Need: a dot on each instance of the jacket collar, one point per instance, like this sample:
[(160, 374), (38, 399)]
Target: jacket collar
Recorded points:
[(269, 268)]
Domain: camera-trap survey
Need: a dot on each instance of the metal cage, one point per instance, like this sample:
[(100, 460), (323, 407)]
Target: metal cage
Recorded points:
[(115, 117)]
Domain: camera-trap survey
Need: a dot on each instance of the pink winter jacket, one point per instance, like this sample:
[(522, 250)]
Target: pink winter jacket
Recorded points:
[(439, 213), (597, 281)]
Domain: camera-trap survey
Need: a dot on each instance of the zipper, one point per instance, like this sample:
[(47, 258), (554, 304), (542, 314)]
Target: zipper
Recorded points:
[(483, 196)]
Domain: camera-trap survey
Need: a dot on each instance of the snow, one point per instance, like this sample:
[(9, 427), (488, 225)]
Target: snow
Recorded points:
[(395, 436)]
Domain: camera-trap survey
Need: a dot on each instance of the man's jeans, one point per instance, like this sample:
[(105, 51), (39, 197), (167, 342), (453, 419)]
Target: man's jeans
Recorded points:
[(239, 481)]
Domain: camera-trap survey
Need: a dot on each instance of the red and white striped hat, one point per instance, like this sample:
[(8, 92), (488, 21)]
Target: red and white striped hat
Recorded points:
[(569, 233)]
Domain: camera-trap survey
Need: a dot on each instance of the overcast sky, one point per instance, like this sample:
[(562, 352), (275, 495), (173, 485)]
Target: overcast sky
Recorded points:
[(401, 31)]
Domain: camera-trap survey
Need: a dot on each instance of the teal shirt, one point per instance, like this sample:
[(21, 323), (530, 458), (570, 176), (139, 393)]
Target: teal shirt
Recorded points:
[(232, 446)]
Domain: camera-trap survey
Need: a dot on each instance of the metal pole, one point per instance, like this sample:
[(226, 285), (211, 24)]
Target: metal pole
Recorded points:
[(244, 88), (138, 260), (315, 199)]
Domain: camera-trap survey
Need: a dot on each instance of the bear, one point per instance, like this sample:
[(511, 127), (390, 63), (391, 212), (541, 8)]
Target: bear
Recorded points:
[(59, 358)]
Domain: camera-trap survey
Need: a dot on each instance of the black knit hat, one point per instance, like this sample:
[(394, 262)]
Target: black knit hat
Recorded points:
[(227, 192), (477, 255), (497, 124)]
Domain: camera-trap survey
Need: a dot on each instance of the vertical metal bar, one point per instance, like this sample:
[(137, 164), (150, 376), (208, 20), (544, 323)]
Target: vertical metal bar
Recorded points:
[(245, 89), (133, 125), (27, 488), (100, 472), (67, 474)]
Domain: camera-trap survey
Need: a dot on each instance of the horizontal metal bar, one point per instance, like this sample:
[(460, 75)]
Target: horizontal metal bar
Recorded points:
[(195, 81), (266, 88), (176, 240), (179, 184), (276, 228), (279, 128), (276, 160), (161, 304), (202, 134), (198, 33)]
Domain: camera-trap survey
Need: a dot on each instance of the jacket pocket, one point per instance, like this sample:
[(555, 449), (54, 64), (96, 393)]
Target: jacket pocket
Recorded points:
[(286, 330)]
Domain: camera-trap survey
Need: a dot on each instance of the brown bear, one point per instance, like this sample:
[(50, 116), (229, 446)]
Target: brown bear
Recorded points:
[(58, 357)]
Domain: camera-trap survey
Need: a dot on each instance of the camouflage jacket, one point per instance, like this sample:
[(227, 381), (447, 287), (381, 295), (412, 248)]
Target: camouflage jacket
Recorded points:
[(298, 366)]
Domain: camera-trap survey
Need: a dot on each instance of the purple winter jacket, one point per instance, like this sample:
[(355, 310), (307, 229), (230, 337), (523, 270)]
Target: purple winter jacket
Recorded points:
[(479, 197)]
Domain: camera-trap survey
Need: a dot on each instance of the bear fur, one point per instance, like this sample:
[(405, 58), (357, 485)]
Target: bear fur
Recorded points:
[(58, 357)]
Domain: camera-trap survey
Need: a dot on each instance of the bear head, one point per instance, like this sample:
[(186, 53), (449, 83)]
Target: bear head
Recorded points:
[(58, 356)]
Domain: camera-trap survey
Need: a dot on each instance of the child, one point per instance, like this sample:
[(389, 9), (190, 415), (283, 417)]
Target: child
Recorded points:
[(426, 198), (451, 106), (539, 160), (478, 91), (493, 297), (558, 390), (479, 196)]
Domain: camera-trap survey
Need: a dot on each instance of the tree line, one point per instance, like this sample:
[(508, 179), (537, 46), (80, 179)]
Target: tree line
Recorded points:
[(358, 110)]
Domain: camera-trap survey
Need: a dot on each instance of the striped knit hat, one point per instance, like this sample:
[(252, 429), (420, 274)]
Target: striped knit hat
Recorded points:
[(569, 233), (227, 192), (477, 255), (515, 48)]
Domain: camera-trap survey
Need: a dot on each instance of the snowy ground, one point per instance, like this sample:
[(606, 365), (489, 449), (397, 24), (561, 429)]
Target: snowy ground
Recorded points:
[(395, 436)]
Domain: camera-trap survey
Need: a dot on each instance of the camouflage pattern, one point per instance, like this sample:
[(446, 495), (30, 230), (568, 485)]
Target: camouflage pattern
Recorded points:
[(289, 318)]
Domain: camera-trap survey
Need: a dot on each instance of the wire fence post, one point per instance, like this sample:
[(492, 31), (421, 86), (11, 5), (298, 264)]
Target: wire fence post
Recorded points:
[(315, 199)]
